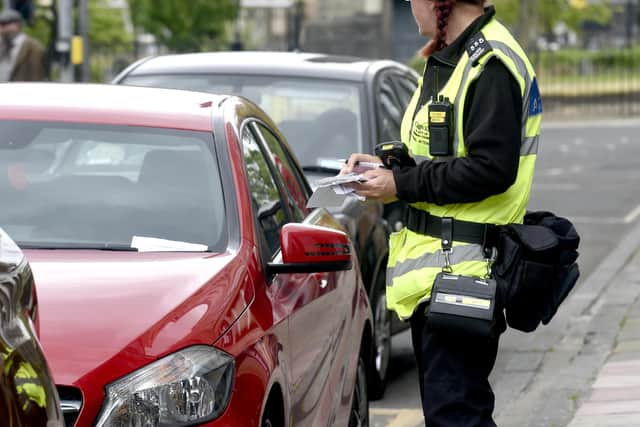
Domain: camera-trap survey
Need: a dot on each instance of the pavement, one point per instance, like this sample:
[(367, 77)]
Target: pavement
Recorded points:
[(588, 373), (614, 396)]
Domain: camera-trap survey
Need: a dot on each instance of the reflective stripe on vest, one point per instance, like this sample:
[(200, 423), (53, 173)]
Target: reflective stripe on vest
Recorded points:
[(414, 259)]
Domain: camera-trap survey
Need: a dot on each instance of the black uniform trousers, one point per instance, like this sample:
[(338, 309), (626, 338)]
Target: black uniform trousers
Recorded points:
[(454, 376)]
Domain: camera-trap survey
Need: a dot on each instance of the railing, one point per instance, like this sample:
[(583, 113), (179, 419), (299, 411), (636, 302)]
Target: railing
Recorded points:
[(585, 84)]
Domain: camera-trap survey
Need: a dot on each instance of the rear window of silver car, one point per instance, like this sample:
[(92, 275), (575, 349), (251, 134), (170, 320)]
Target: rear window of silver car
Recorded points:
[(321, 118)]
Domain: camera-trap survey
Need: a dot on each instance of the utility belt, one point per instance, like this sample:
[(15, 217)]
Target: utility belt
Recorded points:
[(535, 269), (460, 304), (423, 222)]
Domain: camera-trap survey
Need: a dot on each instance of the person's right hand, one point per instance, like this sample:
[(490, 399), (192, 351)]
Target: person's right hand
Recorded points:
[(358, 157)]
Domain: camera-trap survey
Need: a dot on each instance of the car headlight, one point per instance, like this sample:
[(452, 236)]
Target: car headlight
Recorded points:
[(189, 387), (10, 254)]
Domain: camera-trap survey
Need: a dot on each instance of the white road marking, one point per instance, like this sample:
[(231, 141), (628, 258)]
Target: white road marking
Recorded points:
[(592, 124), (595, 220), (553, 172), (556, 187), (402, 417), (576, 169), (632, 216), (628, 219)]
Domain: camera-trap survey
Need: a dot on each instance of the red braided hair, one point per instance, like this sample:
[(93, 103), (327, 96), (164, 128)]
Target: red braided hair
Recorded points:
[(443, 9)]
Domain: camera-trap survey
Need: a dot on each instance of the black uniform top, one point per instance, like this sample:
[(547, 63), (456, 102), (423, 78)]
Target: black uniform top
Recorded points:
[(492, 132)]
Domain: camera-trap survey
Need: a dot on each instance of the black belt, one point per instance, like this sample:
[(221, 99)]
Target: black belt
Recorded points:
[(462, 231)]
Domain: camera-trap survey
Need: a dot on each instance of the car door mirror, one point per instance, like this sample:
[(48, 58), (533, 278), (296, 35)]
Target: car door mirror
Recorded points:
[(312, 249)]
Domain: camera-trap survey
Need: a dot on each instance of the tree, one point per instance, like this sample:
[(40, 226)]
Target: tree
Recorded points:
[(107, 28), (547, 13), (183, 26)]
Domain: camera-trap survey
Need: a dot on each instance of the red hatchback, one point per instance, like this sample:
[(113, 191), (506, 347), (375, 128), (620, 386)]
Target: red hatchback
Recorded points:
[(182, 280)]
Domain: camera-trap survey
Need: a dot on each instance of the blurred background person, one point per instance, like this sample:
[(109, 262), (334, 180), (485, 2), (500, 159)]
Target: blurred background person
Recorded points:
[(22, 58)]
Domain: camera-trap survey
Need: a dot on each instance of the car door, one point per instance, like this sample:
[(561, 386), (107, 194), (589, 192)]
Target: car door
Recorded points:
[(394, 90), (310, 302)]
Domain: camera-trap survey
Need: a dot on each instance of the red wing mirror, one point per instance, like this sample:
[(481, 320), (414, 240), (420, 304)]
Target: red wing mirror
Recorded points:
[(312, 249)]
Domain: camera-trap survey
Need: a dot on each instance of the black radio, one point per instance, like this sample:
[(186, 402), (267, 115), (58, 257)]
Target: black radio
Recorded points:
[(441, 127)]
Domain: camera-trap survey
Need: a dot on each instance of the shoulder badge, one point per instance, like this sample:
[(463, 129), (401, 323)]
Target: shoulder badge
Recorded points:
[(535, 100), (477, 47)]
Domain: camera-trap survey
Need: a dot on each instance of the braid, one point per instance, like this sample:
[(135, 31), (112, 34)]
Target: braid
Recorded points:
[(443, 10)]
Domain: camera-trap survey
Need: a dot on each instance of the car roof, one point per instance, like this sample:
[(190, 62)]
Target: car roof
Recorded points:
[(312, 65), (108, 104)]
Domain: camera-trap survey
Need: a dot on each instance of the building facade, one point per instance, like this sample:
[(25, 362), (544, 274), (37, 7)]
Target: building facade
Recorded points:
[(366, 28)]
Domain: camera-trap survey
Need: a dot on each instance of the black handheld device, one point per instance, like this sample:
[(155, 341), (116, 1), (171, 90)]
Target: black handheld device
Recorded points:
[(394, 154), (441, 127)]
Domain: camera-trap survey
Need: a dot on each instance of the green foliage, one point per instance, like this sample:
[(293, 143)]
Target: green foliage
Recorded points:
[(571, 60), (107, 29), (184, 26), (550, 12), (417, 63), (41, 29)]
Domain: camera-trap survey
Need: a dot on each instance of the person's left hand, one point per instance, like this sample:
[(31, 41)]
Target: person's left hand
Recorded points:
[(380, 185)]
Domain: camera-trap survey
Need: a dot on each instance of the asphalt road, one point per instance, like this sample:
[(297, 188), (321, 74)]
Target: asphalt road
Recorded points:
[(588, 172)]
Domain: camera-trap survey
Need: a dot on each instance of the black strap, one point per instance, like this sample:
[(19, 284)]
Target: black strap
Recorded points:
[(461, 231), (447, 233)]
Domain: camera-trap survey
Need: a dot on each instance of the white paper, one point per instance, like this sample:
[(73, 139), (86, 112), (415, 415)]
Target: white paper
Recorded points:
[(152, 244), (331, 191), (340, 179)]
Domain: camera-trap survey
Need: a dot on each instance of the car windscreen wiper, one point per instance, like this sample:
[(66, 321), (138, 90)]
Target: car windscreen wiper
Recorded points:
[(116, 247)]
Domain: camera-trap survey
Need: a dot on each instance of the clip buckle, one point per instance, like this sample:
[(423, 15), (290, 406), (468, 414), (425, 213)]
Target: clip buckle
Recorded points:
[(447, 261), (447, 243)]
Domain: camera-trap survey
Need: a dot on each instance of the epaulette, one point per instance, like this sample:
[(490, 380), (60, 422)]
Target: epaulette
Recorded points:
[(477, 47)]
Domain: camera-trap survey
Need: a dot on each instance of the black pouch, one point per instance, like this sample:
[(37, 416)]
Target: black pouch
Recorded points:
[(536, 268), (464, 305)]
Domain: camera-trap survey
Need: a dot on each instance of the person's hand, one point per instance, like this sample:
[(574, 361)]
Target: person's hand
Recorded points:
[(380, 185), (354, 159)]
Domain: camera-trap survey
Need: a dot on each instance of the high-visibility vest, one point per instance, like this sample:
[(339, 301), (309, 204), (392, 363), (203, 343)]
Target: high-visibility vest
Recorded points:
[(415, 259)]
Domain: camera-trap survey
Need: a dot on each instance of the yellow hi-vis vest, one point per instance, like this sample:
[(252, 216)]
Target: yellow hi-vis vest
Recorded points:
[(415, 259)]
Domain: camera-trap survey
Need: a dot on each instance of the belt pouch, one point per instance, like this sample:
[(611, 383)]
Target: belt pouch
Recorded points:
[(463, 305)]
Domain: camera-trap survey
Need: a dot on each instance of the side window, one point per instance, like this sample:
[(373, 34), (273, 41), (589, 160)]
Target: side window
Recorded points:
[(267, 204), (291, 177), (390, 110)]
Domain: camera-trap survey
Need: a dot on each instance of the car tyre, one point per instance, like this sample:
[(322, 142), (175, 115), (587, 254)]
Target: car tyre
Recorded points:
[(360, 404), (381, 352), (272, 417)]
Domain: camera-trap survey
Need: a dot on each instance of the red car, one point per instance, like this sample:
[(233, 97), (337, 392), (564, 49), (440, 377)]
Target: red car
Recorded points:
[(182, 280)]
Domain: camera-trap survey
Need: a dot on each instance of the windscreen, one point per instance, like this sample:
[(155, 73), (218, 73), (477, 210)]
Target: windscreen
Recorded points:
[(321, 119), (110, 187)]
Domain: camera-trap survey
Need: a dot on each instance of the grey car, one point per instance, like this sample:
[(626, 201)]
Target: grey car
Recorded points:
[(28, 396), (327, 107)]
